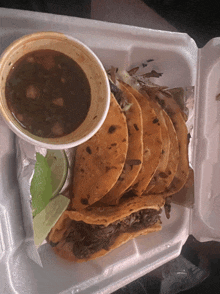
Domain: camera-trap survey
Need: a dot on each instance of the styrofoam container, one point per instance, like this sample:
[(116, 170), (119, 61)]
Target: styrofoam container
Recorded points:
[(182, 64)]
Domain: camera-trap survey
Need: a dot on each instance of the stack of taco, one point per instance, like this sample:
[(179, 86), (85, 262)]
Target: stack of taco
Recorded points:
[(125, 174)]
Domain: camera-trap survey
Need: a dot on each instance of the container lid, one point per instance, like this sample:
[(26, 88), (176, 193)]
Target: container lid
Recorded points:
[(206, 211)]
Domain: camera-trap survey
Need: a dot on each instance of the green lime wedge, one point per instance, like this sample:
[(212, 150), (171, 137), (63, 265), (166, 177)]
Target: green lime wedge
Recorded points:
[(47, 218), (58, 163), (41, 188)]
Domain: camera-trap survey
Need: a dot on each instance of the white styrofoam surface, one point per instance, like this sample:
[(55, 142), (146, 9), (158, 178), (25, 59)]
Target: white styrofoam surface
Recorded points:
[(175, 55), (206, 213)]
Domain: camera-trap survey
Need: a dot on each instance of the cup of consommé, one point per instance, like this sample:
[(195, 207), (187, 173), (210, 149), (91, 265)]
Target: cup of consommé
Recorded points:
[(54, 90)]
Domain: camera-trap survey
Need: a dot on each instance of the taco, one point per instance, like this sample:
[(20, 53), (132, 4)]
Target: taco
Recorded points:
[(169, 161), (88, 234), (100, 160), (152, 142), (168, 103), (159, 175), (134, 158), (164, 179)]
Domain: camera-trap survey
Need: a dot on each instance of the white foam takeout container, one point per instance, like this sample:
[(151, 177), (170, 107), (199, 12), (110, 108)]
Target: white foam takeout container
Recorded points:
[(182, 64)]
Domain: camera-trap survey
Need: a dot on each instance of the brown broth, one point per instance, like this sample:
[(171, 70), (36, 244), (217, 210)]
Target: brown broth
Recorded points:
[(48, 93)]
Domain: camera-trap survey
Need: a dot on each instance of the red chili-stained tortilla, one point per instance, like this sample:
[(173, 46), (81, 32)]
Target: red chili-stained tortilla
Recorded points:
[(100, 161), (134, 156)]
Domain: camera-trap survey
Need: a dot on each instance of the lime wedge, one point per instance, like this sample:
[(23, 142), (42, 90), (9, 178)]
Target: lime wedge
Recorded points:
[(41, 188), (47, 218), (58, 163)]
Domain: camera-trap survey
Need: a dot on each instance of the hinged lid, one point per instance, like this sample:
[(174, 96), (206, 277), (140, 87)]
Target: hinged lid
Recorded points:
[(205, 225)]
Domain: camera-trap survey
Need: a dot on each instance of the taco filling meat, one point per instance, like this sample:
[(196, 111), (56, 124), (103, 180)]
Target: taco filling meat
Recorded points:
[(87, 239)]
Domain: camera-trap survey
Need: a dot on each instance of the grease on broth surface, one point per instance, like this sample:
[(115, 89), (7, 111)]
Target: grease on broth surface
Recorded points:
[(48, 93)]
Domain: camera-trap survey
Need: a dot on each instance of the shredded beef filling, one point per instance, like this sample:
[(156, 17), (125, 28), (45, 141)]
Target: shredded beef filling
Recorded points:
[(88, 239), (167, 206), (118, 94)]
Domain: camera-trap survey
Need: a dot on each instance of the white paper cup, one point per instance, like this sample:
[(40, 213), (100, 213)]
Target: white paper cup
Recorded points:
[(90, 64)]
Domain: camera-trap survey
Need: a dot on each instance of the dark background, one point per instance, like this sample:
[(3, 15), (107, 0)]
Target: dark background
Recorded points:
[(201, 20)]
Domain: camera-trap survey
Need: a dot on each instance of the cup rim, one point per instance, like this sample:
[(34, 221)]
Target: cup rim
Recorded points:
[(27, 136)]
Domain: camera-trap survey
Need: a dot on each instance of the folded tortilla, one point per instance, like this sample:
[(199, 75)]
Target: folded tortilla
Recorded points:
[(168, 103), (65, 249), (169, 173), (100, 160), (152, 142), (159, 176), (134, 158), (81, 236)]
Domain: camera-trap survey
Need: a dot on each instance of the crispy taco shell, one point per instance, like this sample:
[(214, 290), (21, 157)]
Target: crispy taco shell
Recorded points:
[(100, 160), (106, 217), (134, 157), (159, 176), (169, 173), (101, 214), (168, 103), (152, 142)]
